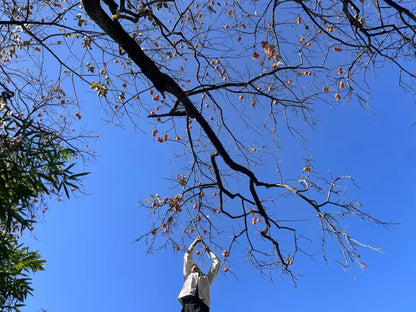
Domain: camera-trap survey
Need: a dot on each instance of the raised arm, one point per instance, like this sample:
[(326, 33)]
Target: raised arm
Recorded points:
[(215, 266), (187, 259)]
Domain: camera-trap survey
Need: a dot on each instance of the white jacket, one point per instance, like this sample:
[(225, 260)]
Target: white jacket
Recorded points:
[(194, 279)]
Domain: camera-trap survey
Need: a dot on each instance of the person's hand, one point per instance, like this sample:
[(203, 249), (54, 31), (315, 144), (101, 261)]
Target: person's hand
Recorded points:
[(198, 239)]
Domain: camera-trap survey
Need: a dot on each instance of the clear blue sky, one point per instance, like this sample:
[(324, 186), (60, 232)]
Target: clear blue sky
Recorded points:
[(94, 266)]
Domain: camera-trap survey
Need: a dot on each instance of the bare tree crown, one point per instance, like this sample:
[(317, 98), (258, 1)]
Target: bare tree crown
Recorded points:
[(202, 71)]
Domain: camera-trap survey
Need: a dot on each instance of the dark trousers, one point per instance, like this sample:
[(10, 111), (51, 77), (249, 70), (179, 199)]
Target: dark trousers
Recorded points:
[(194, 307)]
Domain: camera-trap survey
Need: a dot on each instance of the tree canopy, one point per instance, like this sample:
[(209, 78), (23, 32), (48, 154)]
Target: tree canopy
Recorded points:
[(37, 159), (35, 166), (201, 71)]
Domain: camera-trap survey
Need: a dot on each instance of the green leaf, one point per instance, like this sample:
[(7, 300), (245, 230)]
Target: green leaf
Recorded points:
[(76, 176)]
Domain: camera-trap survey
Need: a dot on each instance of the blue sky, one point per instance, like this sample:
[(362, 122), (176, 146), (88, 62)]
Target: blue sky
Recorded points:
[(93, 264)]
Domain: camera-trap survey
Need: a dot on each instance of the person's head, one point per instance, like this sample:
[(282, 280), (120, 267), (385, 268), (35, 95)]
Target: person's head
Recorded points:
[(195, 268)]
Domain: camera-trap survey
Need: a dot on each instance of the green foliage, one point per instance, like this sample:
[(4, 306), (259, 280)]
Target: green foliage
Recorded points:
[(35, 164), (16, 263)]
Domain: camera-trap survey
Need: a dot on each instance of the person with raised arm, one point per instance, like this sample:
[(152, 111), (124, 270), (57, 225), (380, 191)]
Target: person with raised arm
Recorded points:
[(194, 295)]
